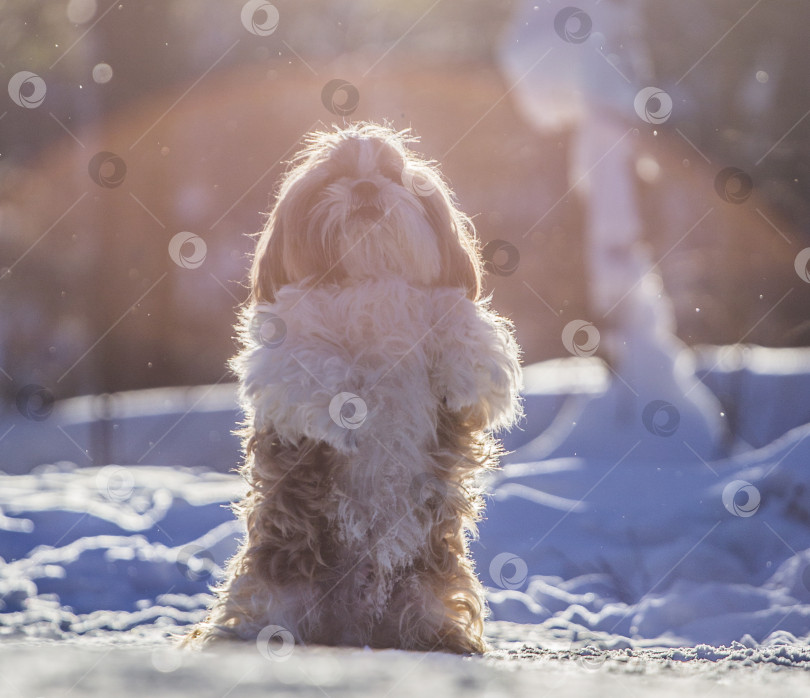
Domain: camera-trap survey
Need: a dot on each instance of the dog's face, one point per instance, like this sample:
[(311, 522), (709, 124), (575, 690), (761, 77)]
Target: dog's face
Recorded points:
[(358, 204)]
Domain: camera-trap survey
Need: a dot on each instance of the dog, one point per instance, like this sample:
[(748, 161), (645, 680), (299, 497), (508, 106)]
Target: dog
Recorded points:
[(372, 375)]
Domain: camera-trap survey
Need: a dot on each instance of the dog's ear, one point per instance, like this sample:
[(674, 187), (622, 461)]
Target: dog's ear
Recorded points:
[(290, 248), (267, 273), (461, 261)]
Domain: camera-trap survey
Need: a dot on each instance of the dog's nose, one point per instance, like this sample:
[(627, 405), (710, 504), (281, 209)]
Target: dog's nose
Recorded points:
[(365, 190)]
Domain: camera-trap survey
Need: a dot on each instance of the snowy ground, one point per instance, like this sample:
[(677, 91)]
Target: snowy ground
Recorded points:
[(103, 669), (615, 562)]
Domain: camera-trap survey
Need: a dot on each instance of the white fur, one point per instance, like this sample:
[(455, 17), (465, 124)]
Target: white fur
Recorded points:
[(402, 350)]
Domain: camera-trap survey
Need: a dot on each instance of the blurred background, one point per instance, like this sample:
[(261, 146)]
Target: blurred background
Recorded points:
[(140, 143), (638, 176)]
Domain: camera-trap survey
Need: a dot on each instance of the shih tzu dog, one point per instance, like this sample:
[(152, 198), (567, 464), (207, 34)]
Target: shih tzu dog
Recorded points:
[(372, 377)]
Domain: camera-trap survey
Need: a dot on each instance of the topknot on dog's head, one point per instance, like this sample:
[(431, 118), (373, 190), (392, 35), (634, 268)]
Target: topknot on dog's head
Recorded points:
[(361, 130), (357, 202), (321, 145)]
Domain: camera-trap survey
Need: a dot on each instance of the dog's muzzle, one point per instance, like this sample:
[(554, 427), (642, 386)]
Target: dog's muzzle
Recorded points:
[(365, 200)]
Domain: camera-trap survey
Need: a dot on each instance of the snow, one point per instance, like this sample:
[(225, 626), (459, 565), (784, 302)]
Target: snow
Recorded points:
[(182, 426), (525, 671), (110, 548), (151, 668), (633, 530), (608, 550), (650, 550)]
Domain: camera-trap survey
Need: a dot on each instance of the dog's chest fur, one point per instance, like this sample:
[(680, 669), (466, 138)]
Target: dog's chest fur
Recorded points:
[(381, 341)]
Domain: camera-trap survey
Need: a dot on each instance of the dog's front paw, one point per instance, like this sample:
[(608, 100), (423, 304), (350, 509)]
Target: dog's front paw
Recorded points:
[(341, 427), (458, 391), (499, 384), (467, 403), (486, 393)]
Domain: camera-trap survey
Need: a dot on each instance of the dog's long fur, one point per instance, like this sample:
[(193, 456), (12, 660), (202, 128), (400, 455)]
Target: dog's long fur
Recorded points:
[(358, 524)]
